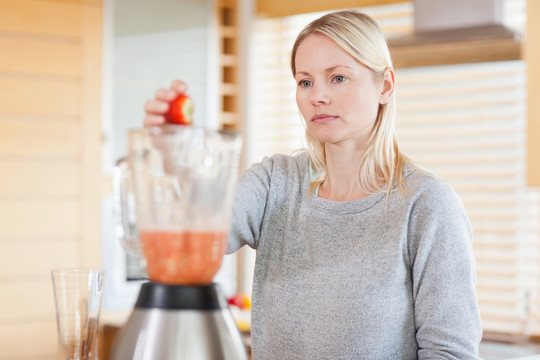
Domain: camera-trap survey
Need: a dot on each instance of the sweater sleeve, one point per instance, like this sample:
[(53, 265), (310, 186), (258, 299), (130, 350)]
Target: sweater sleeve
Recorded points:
[(448, 324), (249, 206)]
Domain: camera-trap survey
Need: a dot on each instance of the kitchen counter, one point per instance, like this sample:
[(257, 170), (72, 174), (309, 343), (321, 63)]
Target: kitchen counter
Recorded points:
[(110, 323)]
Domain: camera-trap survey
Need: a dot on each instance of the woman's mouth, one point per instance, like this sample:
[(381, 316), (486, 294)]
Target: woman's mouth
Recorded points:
[(322, 118)]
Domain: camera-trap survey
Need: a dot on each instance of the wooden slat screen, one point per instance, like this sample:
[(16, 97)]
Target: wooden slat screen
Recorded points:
[(279, 8), (50, 121)]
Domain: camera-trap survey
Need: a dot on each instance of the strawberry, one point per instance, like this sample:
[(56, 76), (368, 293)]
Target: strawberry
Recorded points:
[(180, 111), (240, 301)]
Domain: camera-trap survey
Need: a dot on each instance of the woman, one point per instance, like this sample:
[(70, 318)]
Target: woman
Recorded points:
[(360, 254)]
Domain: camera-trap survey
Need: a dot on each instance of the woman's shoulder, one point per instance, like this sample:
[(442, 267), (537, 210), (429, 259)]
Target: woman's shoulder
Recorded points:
[(299, 159), (434, 204), (279, 163), (427, 185), (278, 170), (431, 195)]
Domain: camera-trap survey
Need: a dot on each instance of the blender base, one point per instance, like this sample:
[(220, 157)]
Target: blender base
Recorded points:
[(179, 322)]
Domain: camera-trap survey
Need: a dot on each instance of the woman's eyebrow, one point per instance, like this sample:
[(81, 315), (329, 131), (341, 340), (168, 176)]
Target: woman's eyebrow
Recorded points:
[(327, 70)]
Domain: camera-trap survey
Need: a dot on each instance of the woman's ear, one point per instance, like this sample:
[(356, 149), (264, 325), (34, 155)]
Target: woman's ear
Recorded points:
[(388, 85)]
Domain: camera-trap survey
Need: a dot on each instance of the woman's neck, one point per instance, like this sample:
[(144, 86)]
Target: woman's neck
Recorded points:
[(341, 183)]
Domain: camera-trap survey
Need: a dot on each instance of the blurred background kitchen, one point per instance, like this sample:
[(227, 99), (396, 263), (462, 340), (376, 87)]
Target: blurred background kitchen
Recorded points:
[(74, 75)]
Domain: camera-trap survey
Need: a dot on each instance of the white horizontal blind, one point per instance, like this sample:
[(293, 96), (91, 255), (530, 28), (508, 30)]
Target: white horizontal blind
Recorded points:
[(466, 123), (533, 239)]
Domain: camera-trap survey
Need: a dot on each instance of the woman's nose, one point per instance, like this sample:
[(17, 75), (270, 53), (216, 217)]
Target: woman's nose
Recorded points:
[(319, 96)]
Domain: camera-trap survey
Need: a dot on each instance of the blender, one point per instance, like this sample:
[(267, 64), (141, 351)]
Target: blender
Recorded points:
[(173, 197)]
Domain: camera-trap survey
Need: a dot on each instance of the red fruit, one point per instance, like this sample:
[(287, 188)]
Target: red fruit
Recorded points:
[(240, 301), (180, 111)]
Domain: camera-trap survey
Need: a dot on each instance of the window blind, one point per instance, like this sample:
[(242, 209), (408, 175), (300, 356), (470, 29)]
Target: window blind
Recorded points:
[(466, 123), (533, 239)]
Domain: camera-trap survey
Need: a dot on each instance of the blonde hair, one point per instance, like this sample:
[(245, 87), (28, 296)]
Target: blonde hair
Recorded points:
[(382, 163)]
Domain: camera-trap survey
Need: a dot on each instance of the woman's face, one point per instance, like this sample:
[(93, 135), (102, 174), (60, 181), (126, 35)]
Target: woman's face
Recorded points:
[(338, 97)]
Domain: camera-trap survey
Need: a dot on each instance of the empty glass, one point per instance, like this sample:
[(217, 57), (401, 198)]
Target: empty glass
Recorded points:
[(78, 295)]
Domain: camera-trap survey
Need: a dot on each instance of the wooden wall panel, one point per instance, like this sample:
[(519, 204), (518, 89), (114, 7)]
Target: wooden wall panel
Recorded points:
[(51, 179), (532, 54), (57, 136), (55, 57), (50, 183), (91, 176), (28, 341), (33, 258), (34, 218), (19, 301), (277, 8), (41, 18), (35, 96)]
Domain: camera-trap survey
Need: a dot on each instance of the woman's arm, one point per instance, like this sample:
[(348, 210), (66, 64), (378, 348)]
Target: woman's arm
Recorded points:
[(448, 324)]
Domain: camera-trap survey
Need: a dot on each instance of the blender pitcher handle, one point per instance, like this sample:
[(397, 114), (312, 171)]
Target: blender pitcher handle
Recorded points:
[(125, 217)]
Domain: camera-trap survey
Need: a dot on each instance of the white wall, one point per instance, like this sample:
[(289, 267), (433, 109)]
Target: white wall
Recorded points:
[(152, 43)]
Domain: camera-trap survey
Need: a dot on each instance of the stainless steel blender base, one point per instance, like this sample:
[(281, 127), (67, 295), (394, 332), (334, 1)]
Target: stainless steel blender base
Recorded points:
[(153, 333)]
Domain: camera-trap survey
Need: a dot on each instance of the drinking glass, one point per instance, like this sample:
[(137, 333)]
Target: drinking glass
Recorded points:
[(78, 295)]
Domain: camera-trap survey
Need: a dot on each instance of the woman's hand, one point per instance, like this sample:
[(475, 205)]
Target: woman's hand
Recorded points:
[(157, 108)]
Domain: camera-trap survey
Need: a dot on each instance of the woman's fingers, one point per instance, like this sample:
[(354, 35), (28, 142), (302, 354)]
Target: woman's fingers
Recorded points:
[(157, 108), (166, 95), (155, 112), (179, 86), (152, 120)]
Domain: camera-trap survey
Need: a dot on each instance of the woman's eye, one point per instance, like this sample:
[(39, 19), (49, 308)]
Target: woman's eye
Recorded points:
[(304, 83), (339, 78)]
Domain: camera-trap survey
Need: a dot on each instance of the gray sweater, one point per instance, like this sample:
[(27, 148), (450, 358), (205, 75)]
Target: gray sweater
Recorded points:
[(363, 279)]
